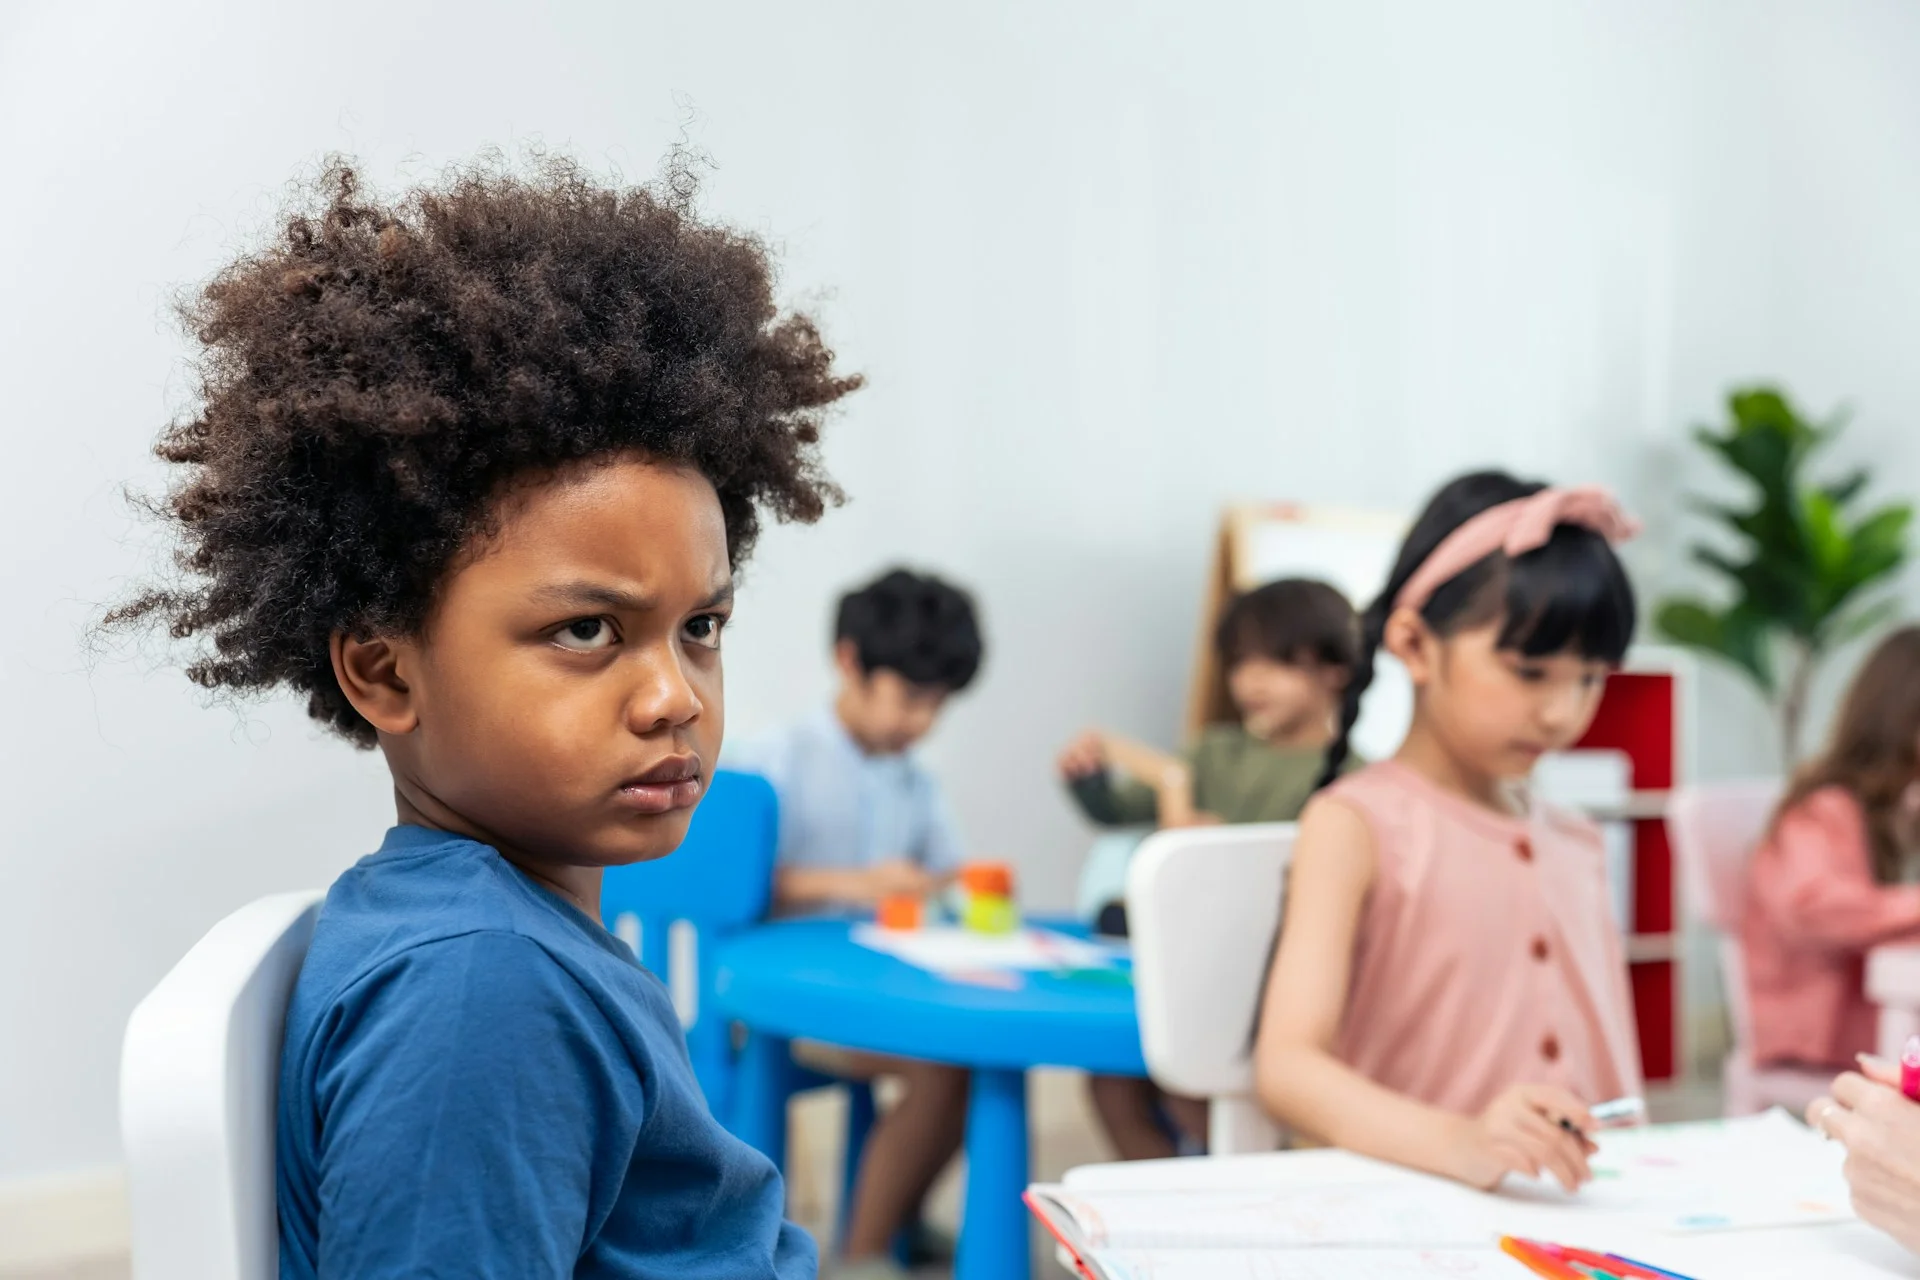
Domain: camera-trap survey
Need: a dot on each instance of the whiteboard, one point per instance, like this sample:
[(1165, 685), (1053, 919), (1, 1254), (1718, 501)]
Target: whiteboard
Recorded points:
[(1354, 551)]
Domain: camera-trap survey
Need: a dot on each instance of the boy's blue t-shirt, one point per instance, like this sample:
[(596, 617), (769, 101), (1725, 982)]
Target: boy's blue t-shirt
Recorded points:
[(479, 1081)]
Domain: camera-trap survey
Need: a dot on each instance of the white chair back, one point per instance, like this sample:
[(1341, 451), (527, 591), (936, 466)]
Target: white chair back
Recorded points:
[(1203, 909), (198, 1077), (1715, 829)]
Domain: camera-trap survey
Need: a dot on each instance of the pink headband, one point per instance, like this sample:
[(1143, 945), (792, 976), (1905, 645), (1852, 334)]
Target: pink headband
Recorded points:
[(1516, 528)]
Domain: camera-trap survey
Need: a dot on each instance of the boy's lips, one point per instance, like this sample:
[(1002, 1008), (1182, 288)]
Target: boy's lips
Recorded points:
[(674, 783)]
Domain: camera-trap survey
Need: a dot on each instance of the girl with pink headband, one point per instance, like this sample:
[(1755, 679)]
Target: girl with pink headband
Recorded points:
[(1449, 990)]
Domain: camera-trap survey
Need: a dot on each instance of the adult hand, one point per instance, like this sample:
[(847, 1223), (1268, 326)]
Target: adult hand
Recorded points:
[(1881, 1132), (1085, 756), (1520, 1132)]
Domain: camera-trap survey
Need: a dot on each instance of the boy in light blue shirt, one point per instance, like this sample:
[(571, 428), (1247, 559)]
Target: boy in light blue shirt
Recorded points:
[(860, 820)]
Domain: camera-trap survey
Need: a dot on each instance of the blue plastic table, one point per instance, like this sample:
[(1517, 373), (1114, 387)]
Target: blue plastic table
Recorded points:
[(808, 979)]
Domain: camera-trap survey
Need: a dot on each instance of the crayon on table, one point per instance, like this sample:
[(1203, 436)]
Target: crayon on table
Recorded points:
[(1649, 1268), (1530, 1257)]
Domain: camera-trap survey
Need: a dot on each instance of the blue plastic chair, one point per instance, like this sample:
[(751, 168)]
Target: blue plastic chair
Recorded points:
[(675, 910)]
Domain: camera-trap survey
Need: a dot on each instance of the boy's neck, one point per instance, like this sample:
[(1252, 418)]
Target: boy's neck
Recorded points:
[(1427, 755), (843, 711), (579, 886)]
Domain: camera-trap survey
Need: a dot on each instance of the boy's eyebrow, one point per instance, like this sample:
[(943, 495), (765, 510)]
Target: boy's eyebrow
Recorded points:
[(598, 596)]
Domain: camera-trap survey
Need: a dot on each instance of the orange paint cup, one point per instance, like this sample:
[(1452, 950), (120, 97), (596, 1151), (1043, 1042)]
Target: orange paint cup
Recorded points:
[(988, 879), (901, 911)]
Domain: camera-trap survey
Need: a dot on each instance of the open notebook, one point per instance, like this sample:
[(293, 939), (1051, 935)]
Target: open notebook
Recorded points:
[(1674, 1190)]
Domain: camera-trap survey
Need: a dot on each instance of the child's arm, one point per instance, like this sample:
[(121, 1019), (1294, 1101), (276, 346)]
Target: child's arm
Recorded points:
[(1301, 1082), (1814, 882), (1086, 767), (858, 886), (1170, 777), (427, 1164)]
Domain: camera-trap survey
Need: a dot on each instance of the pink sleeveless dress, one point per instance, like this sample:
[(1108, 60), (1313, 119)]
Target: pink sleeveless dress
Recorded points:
[(1487, 954)]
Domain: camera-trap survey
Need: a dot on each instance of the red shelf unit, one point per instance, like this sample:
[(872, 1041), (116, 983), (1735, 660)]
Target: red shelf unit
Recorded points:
[(1642, 714)]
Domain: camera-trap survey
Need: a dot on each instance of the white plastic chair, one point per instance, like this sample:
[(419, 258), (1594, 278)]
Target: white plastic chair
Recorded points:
[(198, 1076), (1715, 829), (1203, 908)]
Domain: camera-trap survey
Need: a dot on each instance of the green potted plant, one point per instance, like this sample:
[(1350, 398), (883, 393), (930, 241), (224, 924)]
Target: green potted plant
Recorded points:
[(1802, 563)]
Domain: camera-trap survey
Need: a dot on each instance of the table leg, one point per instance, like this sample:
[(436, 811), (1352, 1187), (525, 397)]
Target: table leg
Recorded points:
[(993, 1239), (760, 1095)]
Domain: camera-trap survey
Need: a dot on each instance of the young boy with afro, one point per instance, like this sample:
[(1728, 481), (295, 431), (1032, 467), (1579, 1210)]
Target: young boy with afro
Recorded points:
[(471, 471)]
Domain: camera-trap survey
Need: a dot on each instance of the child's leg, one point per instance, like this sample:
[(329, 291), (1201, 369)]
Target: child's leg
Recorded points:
[(1125, 1105), (1189, 1115), (906, 1151)]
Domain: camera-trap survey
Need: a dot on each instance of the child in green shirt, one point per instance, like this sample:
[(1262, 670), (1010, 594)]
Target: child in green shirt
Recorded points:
[(1288, 649)]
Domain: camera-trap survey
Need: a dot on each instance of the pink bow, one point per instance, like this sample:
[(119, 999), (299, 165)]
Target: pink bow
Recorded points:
[(1516, 527)]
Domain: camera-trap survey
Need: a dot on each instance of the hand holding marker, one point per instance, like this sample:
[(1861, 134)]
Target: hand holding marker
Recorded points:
[(1622, 1112)]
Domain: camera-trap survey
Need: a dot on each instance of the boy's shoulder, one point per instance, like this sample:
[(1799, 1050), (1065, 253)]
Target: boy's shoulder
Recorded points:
[(427, 895), (774, 753)]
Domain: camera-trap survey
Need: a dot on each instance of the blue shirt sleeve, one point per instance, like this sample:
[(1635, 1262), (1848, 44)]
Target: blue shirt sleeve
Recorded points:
[(476, 1113), (941, 848)]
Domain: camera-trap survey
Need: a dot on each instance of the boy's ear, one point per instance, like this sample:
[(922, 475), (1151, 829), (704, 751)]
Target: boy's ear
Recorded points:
[(372, 673), (1334, 677), (1408, 638)]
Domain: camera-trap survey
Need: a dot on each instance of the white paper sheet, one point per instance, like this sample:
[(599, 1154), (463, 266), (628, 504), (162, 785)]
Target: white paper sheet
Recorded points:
[(1307, 1264), (1355, 1215), (949, 949), (1718, 1175)]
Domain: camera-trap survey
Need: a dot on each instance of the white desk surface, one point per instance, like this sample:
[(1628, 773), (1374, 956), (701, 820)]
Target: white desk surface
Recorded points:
[(1839, 1251)]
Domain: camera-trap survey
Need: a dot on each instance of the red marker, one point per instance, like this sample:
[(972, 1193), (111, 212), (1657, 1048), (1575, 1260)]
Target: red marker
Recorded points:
[(1910, 1068)]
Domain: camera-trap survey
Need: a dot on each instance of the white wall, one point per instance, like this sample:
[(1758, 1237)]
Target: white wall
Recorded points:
[(1107, 267)]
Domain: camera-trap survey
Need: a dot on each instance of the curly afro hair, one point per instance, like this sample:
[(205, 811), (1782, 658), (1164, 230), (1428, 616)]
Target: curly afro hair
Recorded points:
[(370, 381)]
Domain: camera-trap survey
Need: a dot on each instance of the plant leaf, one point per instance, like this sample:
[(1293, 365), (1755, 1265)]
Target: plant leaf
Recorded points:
[(1841, 492), (1737, 637), (1868, 619)]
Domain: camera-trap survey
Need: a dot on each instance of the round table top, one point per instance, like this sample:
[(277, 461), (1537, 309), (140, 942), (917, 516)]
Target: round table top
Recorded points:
[(808, 979)]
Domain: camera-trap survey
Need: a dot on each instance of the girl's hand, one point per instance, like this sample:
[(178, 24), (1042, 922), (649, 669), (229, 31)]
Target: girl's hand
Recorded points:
[(1520, 1132), (1881, 1131), (1085, 756)]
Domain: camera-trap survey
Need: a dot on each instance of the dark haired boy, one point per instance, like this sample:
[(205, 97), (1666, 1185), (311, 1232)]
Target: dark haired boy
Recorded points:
[(1288, 650), (860, 820), (471, 471)]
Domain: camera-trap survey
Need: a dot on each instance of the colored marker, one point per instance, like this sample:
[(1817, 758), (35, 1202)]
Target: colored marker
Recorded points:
[(1615, 1114), (1649, 1268), (1910, 1068), (1622, 1111), (1604, 1264), (1533, 1259)]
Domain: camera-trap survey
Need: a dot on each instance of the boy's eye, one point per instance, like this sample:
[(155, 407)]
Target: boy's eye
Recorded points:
[(705, 630), (585, 635)]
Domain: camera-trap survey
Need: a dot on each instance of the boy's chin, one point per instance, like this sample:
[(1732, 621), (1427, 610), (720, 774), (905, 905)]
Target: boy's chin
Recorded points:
[(642, 838)]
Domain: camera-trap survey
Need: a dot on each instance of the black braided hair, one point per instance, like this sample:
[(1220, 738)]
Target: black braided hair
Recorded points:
[(1572, 592)]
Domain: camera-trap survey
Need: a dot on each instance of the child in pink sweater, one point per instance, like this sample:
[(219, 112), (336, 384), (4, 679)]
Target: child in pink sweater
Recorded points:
[(1833, 876)]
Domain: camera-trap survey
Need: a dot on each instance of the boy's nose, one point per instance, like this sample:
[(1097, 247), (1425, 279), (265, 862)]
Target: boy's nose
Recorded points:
[(662, 696)]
